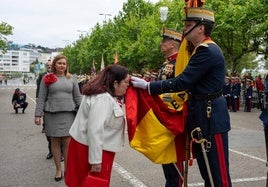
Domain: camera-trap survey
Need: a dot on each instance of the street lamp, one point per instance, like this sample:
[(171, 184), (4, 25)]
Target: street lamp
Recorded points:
[(103, 14)]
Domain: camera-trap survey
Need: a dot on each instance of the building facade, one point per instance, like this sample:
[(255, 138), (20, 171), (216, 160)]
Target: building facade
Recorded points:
[(18, 60)]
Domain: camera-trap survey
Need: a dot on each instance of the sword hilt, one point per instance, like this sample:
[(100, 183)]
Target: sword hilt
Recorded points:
[(197, 137)]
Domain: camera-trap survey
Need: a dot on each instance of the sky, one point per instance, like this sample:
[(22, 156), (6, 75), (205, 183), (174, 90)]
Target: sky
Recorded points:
[(55, 23)]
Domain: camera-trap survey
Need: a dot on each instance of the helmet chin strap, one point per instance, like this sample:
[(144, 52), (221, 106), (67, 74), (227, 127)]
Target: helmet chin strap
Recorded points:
[(197, 23)]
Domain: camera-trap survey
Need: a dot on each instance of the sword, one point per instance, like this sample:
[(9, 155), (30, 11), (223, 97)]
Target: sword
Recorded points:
[(202, 141), (185, 175), (178, 171)]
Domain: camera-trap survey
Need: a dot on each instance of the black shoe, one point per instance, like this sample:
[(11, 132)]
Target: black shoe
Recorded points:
[(62, 159), (49, 156), (16, 111), (23, 110), (57, 179)]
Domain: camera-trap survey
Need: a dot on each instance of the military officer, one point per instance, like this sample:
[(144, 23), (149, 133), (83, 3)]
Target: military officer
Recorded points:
[(169, 47), (204, 79)]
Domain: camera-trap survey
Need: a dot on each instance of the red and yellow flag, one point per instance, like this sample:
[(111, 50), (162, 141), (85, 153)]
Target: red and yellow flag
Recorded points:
[(153, 127)]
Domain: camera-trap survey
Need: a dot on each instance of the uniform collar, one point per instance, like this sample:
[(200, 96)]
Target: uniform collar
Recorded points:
[(172, 57)]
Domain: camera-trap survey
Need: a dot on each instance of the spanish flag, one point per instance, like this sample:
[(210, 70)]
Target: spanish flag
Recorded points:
[(153, 127), (182, 58)]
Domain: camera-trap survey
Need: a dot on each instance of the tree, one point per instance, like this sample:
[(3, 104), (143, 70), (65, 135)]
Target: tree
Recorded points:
[(5, 30), (238, 28), (241, 30)]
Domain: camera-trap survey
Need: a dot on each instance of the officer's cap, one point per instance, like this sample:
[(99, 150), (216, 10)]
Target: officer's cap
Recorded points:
[(199, 14), (171, 34)]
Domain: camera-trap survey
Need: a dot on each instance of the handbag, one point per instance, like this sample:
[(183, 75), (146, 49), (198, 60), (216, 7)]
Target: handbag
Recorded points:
[(93, 181)]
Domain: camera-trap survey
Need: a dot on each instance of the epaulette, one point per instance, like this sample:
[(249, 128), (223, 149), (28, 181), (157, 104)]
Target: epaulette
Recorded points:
[(204, 45)]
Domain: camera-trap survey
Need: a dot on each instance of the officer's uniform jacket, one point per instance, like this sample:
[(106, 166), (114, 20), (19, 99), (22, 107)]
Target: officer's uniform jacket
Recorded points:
[(235, 90), (226, 90), (248, 92), (204, 75), (167, 70)]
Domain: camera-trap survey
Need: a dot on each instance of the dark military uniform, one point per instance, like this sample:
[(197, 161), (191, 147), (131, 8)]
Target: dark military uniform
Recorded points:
[(248, 98), (204, 78), (227, 92), (235, 93), (167, 70)]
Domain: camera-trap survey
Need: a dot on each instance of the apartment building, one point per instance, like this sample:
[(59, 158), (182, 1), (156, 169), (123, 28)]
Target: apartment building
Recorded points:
[(18, 60)]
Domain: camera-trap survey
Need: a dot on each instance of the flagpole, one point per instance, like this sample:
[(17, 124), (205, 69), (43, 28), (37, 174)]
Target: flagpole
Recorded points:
[(102, 63), (116, 58)]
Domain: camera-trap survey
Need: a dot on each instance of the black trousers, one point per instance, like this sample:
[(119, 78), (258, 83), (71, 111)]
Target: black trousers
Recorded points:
[(171, 174), (23, 106)]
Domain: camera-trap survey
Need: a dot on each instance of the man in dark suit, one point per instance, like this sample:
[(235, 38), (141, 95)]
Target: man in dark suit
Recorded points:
[(40, 77), (38, 81), (207, 109)]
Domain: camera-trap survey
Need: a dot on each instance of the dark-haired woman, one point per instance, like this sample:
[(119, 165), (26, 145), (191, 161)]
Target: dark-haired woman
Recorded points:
[(98, 129)]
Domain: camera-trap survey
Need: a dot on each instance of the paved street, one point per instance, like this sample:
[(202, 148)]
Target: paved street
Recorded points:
[(23, 150)]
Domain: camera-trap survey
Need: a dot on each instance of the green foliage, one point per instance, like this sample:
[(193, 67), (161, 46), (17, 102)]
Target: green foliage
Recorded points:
[(241, 30), (239, 26), (5, 30)]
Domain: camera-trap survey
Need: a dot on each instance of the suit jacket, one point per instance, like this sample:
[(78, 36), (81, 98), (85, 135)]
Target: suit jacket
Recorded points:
[(60, 96), (100, 124)]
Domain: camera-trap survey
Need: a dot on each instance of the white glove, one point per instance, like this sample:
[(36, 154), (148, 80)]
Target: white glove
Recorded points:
[(139, 83)]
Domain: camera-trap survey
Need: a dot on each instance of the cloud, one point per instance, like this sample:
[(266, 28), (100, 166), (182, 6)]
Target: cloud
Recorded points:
[(51, 23)]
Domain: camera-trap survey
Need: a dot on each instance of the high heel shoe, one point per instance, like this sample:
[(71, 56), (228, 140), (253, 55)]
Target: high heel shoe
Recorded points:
[(57, 179)]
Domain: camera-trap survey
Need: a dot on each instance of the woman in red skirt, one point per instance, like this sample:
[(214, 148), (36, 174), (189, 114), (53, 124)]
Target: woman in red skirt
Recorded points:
[(98, 129)]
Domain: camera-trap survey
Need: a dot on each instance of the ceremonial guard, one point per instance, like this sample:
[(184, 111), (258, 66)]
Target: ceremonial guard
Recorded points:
[(226, 91), (248, 96), (260, 91), (169, 47), (235, 94)]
